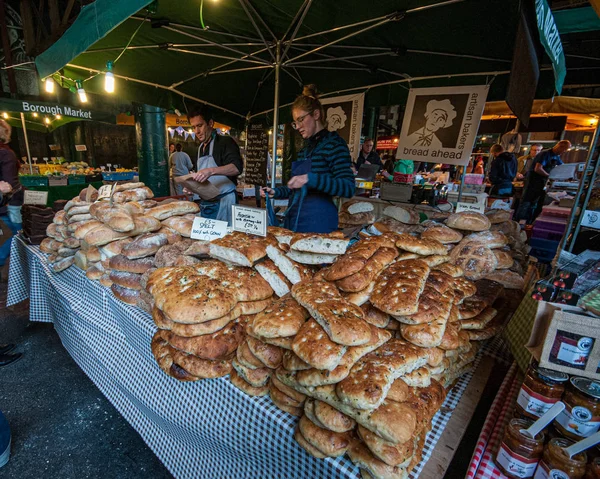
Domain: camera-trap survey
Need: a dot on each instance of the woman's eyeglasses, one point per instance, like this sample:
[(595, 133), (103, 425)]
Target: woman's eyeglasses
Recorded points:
[(296, 124)]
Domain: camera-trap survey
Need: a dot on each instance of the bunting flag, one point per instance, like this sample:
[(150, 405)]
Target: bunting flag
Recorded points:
[(180, 130), (172, 133), (185, 135), (193, 135)]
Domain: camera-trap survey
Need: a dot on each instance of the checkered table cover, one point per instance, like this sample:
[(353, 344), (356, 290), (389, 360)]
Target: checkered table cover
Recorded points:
[(519, 329), (482, 462), (206, 429)]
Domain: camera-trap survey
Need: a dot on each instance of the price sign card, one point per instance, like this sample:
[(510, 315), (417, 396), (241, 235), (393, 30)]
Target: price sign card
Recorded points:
[(250, 220), (472, 207), (207, 230), (35, 197), (104, 191)]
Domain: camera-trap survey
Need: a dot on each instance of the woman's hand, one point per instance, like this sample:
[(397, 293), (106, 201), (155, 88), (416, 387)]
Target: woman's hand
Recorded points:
[(297, 182), (5, 187), (269, 191), (204, 174)]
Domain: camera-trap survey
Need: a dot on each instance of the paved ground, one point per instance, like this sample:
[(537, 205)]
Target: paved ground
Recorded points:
[(62, 426)]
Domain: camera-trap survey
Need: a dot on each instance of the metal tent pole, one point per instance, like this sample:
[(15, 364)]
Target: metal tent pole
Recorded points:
[(276, 114), (26, 143)]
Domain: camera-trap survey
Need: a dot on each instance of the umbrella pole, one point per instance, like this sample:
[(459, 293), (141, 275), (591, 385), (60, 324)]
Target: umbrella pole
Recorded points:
[(26, 143), (276, 115)]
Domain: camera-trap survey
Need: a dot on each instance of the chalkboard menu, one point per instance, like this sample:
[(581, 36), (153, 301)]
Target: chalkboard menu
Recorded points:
[(257, 150)]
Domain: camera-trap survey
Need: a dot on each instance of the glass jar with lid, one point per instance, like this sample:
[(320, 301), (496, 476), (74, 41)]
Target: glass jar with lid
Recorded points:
[(581, 416), (592, 470), (541, 389), (556, 463), (519, 453)]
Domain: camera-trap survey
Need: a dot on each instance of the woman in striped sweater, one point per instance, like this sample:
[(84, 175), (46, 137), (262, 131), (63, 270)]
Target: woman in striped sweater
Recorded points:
[(323, 170)]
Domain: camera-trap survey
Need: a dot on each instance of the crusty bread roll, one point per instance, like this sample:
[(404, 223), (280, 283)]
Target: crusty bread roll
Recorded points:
[(81, 260), (442, 233), (144, 245), (94, 274), (498, 216), (180, 224), (102, 235), (121, 263), (508, 279), (129, 296), (403, 215), (135, 194), (63, 264), (469, 221), (127, 280), (176, 208)]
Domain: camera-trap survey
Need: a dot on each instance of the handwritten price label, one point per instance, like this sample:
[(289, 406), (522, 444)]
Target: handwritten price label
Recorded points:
[(472, 207), (207, 230), (35, 197), (250, 220)]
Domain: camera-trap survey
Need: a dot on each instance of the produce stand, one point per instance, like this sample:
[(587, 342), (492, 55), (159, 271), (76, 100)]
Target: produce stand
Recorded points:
[(207, 429)]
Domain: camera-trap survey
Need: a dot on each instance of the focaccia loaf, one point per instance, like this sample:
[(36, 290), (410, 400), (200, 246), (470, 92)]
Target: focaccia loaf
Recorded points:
[(282, 319), (333, 243), (293, 271), (314, 347), (240, 249)]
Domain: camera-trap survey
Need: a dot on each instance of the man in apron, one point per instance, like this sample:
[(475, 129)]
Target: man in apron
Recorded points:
[(219, 162)]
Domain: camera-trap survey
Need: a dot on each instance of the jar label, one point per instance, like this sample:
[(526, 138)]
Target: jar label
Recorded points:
[(578, 420), (534, 403), (574, 352), (515, 464), (544, 472)]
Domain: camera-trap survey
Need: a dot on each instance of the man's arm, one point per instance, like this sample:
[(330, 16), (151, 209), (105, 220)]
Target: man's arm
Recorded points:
[(232, 164), (539, 169)]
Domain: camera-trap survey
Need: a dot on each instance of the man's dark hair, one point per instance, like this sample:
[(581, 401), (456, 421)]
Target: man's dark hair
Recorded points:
[(199, 109), (178, 147)]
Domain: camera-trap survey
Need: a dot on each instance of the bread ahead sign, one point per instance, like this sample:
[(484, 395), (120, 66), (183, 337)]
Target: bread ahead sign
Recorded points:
[(440, 124)]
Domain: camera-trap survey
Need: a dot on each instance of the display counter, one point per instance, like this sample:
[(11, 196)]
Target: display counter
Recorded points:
[(206, 429)]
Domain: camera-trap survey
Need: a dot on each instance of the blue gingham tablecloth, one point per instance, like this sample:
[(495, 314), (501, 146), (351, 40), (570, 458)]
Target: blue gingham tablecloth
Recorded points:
[(206, 429)]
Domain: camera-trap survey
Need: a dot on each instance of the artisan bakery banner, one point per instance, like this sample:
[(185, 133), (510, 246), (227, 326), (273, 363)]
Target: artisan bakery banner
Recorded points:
[(440, 124), (344, 115)]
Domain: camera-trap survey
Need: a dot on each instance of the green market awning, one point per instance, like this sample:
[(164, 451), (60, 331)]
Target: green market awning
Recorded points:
[(576, 20), (224, 53)]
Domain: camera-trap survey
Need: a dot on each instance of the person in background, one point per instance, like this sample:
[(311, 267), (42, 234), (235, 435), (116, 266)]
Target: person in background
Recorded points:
[(524, 162), (536, 179), (368, 156), (502, 171), (478, 166), (219, 162), (181, 165), (171, 148), (323, 170), (10, 213), (388, 163)]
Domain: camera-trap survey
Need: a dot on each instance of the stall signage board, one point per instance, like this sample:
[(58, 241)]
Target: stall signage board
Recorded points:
[(440, 124), (80, 148), (257, 151), (471, 207), (206, 229), (591, 219), (31, 197), (105, 191), (250, 220)]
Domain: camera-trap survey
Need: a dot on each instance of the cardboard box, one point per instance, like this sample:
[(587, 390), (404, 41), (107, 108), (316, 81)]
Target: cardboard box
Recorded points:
[(565, 338)]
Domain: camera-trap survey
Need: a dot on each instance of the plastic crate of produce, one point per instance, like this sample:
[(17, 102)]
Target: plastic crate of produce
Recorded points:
[(543, 233), (76, 179), (120, 176), (49, 168), (553, 223), (30, 181), (551, 210), (58, 181)]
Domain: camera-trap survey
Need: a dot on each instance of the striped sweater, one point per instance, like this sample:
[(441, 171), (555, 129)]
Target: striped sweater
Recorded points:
[(331, 170)]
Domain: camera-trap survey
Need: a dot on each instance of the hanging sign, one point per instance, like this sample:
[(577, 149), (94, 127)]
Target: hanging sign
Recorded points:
[(207, 230), (80, 148), (257, 151), (440, 124), (344, 115), (470, 207), (249, 220), (31, 197), (550, 39)]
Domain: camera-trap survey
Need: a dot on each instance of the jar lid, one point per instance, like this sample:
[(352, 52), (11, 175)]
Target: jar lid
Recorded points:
[(555, 376), (587, 386)]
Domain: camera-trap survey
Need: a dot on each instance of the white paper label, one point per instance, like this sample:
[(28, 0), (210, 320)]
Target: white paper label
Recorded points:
[(591, 219), (207, 230), (249, 220), (105, 191), (579, 421), (544, 472), (518, 466), (575, 354), (472, 207), (533, 402), (35, 197)]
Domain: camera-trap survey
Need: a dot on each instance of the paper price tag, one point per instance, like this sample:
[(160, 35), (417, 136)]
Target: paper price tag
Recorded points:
[(35, 197), (207, 230), (80, 148), (250, 220), (472, 207), (591, 219), (105, 191)]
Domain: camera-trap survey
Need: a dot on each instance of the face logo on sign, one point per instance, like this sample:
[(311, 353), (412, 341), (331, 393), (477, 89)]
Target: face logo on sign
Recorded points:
[(439, 114), (336, 118)]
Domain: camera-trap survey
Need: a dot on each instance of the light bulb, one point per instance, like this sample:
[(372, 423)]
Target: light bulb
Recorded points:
[(109, 82), (35, 115), (81, 92), (5, 115), (58, 117), (47, 120), (49, 85)]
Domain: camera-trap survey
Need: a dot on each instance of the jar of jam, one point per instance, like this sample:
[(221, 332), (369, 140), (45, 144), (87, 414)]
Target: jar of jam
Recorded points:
[(519, 454), (581, 416), (541, 389), (556, 463), (592, 470), (571, 349)]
